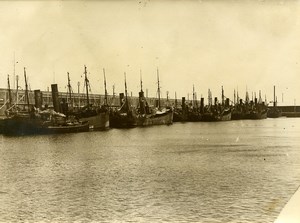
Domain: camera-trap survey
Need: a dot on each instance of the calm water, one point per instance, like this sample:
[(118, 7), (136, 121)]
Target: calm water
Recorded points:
[(237, 171)]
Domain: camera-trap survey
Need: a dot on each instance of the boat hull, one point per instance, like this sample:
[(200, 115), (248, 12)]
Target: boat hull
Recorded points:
[(27, 125), (257, 115), (98, 121), (157, 119), (122, 120), (71, 128), (274, 113), (211, 117)]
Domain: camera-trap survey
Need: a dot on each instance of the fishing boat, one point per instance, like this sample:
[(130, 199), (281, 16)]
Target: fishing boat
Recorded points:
[(125, 115), (274, 112), (97, 116), (194, 114), (33, 121), (153, 116), (257, 109), (181, 113), (217, 111), (238, 108)]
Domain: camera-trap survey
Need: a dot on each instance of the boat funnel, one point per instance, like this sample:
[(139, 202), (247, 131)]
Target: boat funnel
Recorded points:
[(38, 99), (55, 97)]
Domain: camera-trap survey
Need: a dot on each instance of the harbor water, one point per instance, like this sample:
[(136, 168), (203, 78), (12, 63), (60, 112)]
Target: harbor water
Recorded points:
[(235, 171)]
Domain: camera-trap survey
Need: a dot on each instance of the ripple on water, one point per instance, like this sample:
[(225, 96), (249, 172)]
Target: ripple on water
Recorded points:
[(193, 172)]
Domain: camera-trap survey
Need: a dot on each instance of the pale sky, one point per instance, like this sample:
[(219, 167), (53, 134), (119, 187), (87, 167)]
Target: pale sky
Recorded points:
[(205, 43)]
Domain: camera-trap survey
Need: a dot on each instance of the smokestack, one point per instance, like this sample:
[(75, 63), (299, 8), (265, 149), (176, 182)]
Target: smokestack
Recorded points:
[(227, 102), (121, 97), (183, 102), (202, 105), (38, 97), (55, 98)]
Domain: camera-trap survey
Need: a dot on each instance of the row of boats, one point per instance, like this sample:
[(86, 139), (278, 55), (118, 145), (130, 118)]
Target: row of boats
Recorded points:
[(64, 119)]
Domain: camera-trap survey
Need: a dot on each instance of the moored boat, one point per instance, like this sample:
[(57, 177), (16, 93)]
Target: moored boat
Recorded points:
[(180, 114), (97, 116), (217, 111), (153, 116), (125, 116)]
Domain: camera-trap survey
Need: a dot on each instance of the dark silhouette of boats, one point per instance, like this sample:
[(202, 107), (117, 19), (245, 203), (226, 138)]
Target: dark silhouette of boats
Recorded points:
[(96, 115), (257, 109), (274, 112), (180, 113), (217, 111), (153, 116), (247, 109), (44, 122), (193, 111), (125, 116), (32, 121)]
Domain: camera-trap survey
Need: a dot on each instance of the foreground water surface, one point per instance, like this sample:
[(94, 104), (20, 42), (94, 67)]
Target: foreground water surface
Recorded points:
[(236, 171)]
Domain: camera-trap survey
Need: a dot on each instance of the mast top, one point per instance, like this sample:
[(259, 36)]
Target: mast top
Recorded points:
[(141, 80)]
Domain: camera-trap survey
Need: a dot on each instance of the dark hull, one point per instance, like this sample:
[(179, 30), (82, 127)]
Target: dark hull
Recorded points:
[(237, 116), (71, 128), (194, 117), (157, 119), (35, 126), (178, 116), (97, 117), (274, 113), (21, 126), (211, 117), (98, 121), (257, 115), (122, 120)]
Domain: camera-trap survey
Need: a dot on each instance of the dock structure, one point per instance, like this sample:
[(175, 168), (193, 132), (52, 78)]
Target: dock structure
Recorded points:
[(78, 99), (290, 213)]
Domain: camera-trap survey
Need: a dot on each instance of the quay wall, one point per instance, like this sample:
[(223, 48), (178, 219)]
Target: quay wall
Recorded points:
[(77, 99)]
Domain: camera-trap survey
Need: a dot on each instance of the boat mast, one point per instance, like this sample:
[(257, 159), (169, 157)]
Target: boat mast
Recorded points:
[(9, 91), (126, 98), (222, 96), (26, 89), (69, 88), (234, 97), (175, 100), (158, 89), (105, 91), (141, 80), (17, 89), (274, 102), (87, 87), (193, 96)]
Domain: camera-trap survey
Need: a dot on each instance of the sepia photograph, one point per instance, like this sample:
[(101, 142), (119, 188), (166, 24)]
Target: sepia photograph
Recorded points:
[(150, 111)]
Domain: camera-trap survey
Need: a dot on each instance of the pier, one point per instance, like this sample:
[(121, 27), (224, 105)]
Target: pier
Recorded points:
[(78, 99)]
